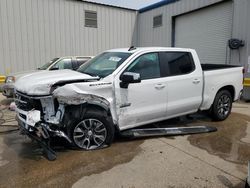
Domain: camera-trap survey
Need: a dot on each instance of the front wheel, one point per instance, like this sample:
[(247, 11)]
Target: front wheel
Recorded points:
[(94, 131), (222, 105)]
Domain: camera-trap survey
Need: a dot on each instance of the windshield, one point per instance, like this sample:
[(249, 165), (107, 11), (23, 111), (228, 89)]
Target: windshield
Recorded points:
[(104, 64), (47, 65)]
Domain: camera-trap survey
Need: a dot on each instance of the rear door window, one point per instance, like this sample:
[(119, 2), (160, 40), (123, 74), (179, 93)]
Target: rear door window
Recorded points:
[(179, 63)]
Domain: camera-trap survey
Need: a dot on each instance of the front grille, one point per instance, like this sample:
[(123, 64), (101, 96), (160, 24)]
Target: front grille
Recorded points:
[(26, 103)]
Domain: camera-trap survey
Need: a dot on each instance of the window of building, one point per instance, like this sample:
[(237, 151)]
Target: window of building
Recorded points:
[(179, 63), (147, 66), (157, 21), (90, 18)]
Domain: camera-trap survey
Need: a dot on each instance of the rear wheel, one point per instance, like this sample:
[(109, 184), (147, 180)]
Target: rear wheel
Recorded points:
[(94, 131), (222, 105)]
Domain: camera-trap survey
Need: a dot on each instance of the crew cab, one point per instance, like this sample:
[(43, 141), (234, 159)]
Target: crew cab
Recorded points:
[(122, 89), (68, 62)]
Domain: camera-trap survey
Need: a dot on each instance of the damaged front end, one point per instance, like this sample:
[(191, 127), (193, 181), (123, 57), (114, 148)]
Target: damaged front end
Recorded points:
[(39, 118), (53, 115)]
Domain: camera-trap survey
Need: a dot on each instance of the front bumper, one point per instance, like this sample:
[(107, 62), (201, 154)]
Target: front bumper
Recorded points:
[(36, 126), (22, 118), (45, 144), (8, 90), (40, 132), (36, 133)]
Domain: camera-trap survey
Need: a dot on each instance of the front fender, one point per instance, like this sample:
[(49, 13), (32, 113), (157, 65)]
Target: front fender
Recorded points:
[(70, 95)]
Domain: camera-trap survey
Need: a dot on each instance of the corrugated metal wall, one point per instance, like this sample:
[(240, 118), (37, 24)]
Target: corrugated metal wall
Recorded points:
[(241, 30), (207, 31), (162, 36), (34, 31)]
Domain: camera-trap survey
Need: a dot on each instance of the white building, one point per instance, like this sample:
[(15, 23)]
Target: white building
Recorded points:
[(34, 31)]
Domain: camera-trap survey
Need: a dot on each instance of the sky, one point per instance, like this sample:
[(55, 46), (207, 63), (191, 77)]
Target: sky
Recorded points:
[(134, 4)]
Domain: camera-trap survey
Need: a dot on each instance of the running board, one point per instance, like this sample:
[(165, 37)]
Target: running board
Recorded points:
[(172, 131)]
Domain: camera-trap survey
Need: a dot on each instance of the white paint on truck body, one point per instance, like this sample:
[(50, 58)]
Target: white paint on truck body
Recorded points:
[(149, 101)]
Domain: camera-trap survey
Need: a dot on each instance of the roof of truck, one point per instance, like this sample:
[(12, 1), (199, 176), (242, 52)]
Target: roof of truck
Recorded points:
[(146, 49)]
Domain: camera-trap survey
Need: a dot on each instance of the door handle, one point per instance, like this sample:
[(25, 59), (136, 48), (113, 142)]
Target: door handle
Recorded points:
[(159, 86), (196, 81)]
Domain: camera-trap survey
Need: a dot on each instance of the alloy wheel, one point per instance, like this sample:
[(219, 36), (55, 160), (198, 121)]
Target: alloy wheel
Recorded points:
[(90, 134), (224, 105)]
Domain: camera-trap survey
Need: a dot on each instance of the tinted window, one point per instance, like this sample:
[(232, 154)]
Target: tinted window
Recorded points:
[(81, 61), (179, 63), (147, 66), (44, 67), (63, 64)]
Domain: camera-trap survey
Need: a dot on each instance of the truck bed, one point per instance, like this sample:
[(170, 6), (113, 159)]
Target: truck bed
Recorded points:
[(209, 67), (215, 77)]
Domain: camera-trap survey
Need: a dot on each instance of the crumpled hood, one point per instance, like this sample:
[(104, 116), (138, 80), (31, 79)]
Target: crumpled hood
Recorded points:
[(39, 83)]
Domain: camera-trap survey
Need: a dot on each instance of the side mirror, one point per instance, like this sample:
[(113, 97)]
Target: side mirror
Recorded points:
[(129, 78), (54, 68)]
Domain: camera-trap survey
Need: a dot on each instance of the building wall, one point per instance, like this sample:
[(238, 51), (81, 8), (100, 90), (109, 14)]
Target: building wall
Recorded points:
[(241, 30), (162, 36), (34, 31)]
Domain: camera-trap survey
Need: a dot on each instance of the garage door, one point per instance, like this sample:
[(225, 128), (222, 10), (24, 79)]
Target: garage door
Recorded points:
[(207, 30)]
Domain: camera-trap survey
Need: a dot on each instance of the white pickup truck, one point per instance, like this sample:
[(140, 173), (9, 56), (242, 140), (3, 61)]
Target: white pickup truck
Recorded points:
[(122, 89)]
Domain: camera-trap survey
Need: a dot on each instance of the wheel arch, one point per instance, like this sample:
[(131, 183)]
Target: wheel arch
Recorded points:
[(105, 109), (214, 110), (74, 113), (230, 89)]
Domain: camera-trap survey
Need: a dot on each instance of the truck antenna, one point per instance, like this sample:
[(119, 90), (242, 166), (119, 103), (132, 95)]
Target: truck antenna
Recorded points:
[(131, 48)]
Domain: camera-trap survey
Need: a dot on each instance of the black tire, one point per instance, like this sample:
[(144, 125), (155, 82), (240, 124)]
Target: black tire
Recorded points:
[(94, 126), (222, 105)]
